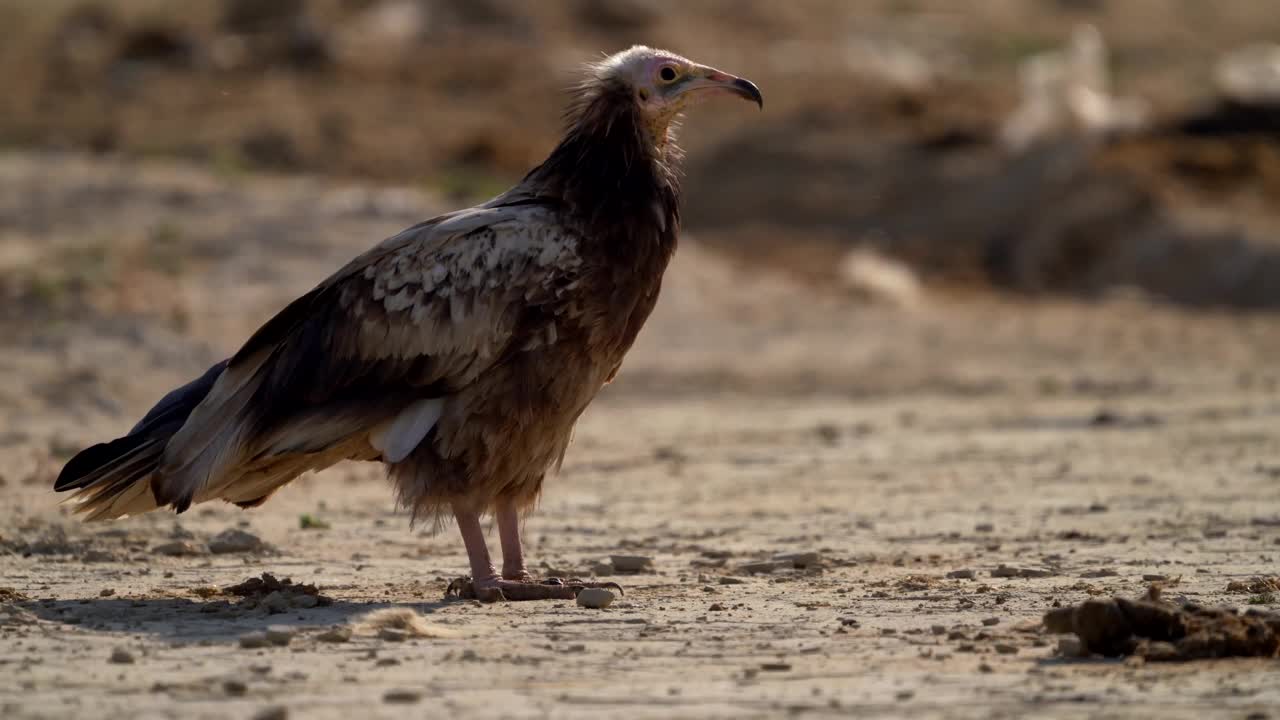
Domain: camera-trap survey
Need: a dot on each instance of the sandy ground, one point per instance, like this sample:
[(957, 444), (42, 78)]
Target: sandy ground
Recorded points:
[(1094, 446)]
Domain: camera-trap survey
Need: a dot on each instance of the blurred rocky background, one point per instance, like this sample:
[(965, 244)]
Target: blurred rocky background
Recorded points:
[(1071, 147)]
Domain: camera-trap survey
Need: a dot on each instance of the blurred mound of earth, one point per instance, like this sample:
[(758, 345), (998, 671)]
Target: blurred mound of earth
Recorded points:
[(883, 130)]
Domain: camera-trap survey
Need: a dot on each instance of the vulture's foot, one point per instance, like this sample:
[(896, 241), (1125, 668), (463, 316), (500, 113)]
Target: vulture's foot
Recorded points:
[(495, 589)]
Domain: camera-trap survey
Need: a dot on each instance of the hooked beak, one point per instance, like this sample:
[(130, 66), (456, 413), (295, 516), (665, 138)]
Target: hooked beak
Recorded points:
[(711, 81)]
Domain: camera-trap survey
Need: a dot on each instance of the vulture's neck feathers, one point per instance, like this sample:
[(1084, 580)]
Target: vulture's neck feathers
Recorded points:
[(613, 171)]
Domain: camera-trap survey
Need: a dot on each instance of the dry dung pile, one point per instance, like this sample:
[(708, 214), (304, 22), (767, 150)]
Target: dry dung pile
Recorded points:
[(1162, 632)]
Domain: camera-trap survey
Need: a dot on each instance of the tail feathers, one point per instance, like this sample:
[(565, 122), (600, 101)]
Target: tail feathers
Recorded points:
[(114, 479), (117, 482), (89, 464)]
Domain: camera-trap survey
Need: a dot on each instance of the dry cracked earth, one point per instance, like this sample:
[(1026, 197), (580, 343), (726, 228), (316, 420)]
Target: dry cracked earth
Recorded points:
[(841, 506)]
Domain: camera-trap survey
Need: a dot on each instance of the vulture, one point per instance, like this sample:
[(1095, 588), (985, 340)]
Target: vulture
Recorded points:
[(458, 353)]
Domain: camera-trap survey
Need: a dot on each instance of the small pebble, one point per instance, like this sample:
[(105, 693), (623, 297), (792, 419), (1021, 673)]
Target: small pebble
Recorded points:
[(716, 607), (273, 712), (727, 580), (234, 688), (991, 621), (280, 634), (1006, 649), (402, 696), (964, 574), (596, 598), (335, 634), (235, 541), (938, 629), (1069, 646), (120, 656), (631, 563), (177, 548), (253, 640), (799, 560)]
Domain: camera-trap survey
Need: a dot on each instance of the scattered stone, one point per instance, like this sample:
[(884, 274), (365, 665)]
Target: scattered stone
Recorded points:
[(762, 567), (1071, 647), (776, 667), (177, 548), (280, 634), (596, 598), (406, 697), (253, 640), (716, 607), (234, 540), (335, 634), (1006, 649), (1007, 571), (272, 712), (121, 656), (234, 688), (991, 621), (631, 563), (938, 629), (106, 592), (985, 527), (1153, 577), (1099, 573), (800, 561), (728, 580), (964, 574)]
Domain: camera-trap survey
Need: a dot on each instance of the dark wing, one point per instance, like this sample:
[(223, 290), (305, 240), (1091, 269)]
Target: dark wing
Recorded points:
[(422, 314)]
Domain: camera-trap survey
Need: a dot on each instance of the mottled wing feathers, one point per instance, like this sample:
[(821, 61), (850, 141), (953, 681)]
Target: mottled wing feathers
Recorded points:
[(418, 316)]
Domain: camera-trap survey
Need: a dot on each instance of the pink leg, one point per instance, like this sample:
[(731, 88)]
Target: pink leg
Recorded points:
[(477, 551), (512, 551), (485, 584)]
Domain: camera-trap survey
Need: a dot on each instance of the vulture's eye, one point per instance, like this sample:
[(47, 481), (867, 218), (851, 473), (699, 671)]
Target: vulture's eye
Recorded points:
[(667, 74)]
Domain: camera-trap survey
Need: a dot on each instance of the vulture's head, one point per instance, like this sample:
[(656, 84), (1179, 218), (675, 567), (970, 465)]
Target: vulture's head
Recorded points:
[(663, 84)]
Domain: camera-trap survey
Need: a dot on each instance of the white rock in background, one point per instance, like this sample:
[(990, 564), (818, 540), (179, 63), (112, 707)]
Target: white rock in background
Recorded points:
[(1250, 75), (872, 275), (1068, 92)]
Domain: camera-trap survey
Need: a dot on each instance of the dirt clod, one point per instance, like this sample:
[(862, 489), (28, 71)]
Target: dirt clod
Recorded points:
[(235, 541), (405, 697), (1163, 632), (1255, 586), (277, 595)]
